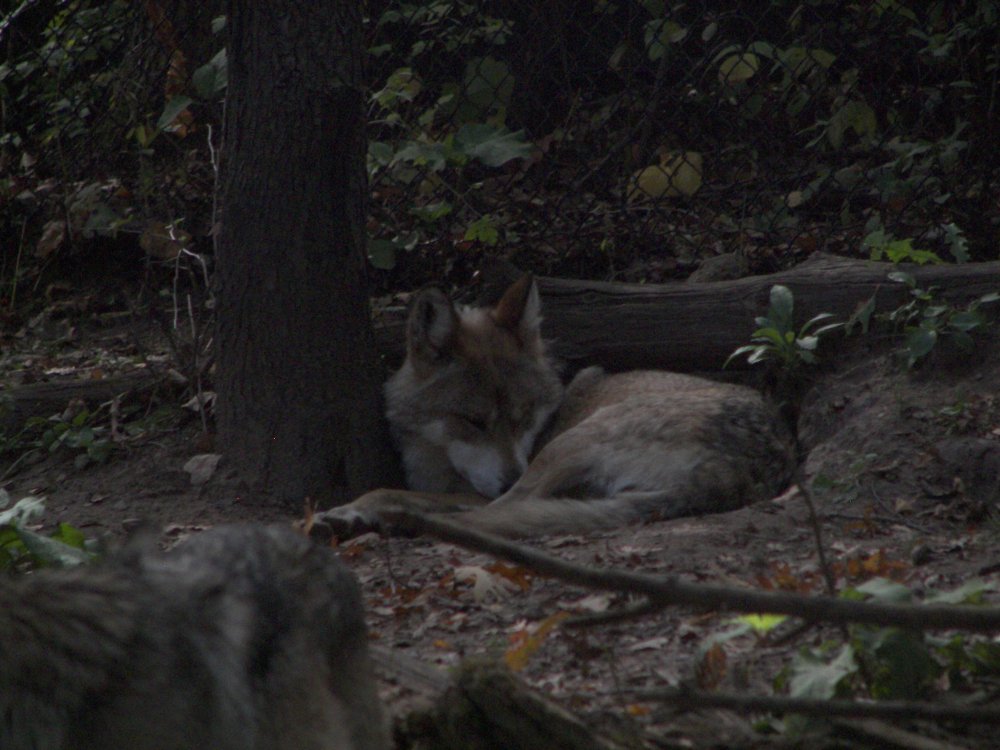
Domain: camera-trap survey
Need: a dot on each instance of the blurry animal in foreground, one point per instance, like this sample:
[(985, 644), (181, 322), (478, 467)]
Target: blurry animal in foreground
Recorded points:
[(243, 637)]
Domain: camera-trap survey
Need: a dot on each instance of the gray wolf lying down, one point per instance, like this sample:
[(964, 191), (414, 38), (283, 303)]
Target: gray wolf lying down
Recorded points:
[(486, 430)]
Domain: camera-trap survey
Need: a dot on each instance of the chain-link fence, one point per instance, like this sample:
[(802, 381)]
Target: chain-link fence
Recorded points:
[(627, 140)]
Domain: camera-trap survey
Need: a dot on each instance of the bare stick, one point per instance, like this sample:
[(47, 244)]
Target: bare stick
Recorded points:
[(778, 704), (670, 590)]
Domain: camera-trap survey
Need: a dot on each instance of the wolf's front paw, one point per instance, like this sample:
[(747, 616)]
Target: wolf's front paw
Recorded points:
[(344, 522)]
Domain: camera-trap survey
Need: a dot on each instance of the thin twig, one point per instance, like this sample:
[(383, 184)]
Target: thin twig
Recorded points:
[(888, 735), (824, 564), (688, 699), (670, 590)]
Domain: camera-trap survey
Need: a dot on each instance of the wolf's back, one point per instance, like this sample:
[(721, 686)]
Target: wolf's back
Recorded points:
[(646, 445)]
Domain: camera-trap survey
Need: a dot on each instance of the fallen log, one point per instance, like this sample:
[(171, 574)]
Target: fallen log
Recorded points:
[(695, 326), (48, 398)]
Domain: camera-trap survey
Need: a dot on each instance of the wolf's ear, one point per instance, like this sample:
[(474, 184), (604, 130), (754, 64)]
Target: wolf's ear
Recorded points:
[(520, 309), (431, 327)]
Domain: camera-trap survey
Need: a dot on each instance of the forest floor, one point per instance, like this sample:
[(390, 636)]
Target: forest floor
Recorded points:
[(906, 472)]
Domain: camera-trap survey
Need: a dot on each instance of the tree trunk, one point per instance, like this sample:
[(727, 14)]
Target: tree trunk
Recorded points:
[(298, 379)]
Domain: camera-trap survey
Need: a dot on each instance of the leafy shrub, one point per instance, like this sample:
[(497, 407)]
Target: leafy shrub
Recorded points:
[(776, 338)]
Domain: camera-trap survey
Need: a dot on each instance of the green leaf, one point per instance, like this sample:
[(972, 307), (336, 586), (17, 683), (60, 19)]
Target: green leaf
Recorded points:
[(958, 246), (83, 437), (854, 115), (52, 551), (966, 321), (739, 68), (814, 320), (781, 307), (970, 592), (737, 352), (900, 251), (382, 254), (431, 155), (99, 450), (432, 211), (487, 87), (174, 107), (379, 154), (986, 657), (884, 590), (70, 535), (905, 666), (821, 56), (811, 677), (762, 623), (828, 328), (483, 230), (660, 34), (770, 335), (808, 343), (402, 85), (493, 146), (211, 79), (903, 277), (919, 343)]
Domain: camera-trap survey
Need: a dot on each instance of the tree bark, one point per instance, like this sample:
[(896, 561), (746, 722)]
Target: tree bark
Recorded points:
[(298, 379), (694, 327)]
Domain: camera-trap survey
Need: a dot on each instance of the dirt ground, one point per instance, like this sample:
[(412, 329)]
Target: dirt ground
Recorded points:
[(906, 472)]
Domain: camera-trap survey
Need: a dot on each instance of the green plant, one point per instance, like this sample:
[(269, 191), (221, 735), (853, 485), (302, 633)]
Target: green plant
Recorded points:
[(881, 246), (776, 338), (926, 319), (23, 549), (434, 161), (54, 87), (890, 663), (76, 433), (209, 83)]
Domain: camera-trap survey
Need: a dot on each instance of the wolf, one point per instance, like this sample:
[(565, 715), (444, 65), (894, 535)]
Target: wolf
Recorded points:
[(486, 430), (246, 637)]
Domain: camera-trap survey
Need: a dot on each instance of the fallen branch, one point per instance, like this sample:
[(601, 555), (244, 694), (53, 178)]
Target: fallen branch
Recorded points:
[(689, 699), (669, 590), (888, 736), (634, 326)]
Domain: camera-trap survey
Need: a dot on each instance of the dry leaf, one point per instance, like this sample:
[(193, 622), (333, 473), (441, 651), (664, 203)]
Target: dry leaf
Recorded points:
[(52, 238), (201, 467), (711, 667), (517, 658)]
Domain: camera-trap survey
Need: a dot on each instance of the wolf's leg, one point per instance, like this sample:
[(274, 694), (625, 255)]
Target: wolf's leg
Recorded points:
[(364, 514)]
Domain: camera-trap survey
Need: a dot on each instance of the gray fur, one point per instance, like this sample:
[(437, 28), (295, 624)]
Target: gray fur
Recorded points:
[(244, 637)]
